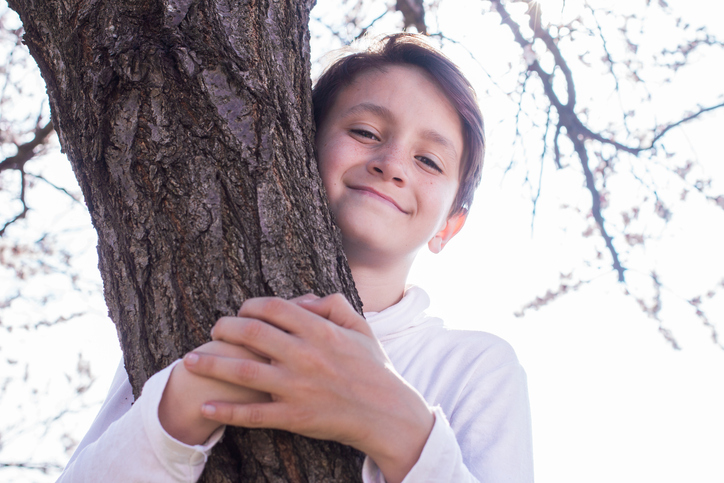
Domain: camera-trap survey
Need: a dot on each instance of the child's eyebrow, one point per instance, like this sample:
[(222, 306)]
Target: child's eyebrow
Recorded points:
[(445, 143), (368, 107)]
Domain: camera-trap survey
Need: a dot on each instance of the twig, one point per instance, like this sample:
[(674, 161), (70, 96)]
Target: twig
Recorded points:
[(369, 26), (44, 467), (75, 197), (542, 164)]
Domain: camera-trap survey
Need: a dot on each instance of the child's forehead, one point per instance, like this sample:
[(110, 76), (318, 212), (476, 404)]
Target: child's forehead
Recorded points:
[(388, 71), (386, 78)]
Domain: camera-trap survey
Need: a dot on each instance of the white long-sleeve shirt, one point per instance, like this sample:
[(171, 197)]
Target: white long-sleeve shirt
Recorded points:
[(472, 380)]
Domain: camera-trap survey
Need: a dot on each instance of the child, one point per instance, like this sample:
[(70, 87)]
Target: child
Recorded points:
[(400, 147)]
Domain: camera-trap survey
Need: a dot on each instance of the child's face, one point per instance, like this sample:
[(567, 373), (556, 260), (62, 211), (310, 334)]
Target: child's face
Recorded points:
[(389, 156)]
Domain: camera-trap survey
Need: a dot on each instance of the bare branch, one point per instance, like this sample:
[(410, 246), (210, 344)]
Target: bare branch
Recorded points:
[(442, 36), (369, 26), (73, 196), (611, 64), (413, 12), (560, 62), (566, 115), (44, 467), (19, 216), (556, 146), (26, 151), (25, 209), (542, 164), (565, 286), (656, 138), (699, 312), (59, 320), (580, 149), (653, 310)]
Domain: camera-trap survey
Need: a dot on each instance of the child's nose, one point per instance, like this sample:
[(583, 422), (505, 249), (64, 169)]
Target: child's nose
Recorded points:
[(390, 165)]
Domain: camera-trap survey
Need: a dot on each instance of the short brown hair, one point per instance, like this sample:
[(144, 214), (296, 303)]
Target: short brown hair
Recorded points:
[(411, 49)]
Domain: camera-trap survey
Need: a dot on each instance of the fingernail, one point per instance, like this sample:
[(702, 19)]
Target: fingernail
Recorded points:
[(191, 358), (208, 409), (212, 332)]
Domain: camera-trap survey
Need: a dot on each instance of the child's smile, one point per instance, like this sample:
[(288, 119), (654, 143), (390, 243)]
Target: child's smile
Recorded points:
[(369, 191), (389, 155)]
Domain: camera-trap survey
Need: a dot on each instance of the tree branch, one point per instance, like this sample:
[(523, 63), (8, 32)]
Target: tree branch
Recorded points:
[(369, 26), (636, 151), (26, 151), (22, 200), (566, 117), (540, 174), (74, 197), (413, 12), (576, 131), (44, 467), (580, 149), (17, 217), (611, 63), (541, 33)]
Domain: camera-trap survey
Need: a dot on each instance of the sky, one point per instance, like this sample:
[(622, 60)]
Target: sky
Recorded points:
[(610, 399)]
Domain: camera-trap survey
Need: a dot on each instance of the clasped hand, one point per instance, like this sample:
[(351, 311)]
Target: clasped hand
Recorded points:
[(326, 374)]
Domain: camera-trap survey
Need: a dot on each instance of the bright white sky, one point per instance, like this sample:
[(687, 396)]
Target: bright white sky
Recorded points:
[(611, 400)]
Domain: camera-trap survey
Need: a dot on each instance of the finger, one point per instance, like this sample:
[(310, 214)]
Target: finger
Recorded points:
[(338, 310), (301, 298), (284, 314), (258, 336), (304, 298), (275, 415), (249, 373), (225, 349)]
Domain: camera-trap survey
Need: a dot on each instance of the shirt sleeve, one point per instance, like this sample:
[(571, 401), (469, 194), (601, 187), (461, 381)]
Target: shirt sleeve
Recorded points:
[(488, 438), (441, 459), (493, 425), (126, 443)]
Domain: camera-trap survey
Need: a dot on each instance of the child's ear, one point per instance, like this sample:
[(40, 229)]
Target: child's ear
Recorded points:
[(453, 225)]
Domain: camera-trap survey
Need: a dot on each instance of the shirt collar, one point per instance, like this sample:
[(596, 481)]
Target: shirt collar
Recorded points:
[(405, 315)]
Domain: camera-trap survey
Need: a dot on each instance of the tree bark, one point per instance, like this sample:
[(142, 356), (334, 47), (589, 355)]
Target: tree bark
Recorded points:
[(188, 125)]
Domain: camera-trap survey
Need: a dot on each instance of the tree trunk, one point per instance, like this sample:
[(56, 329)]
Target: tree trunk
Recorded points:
[(189, 128)]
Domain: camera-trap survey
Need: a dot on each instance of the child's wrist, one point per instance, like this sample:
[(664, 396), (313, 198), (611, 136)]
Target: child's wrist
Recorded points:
[(399, 449), (180, 413)]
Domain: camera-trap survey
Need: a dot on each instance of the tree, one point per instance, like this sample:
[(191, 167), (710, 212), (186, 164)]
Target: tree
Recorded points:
[(605, 144), (189, 128)]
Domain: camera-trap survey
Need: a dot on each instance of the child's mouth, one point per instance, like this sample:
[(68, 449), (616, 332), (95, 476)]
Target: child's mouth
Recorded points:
[(366, 190)]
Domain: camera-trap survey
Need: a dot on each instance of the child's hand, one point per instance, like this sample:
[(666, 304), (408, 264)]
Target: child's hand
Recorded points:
[(329, 378), (180, 409)]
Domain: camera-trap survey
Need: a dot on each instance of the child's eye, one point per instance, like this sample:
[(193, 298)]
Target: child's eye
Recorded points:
[(429, 163), (364, 134)]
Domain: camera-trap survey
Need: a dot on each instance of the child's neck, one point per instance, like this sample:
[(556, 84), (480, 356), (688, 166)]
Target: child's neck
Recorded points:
[(377, 288)]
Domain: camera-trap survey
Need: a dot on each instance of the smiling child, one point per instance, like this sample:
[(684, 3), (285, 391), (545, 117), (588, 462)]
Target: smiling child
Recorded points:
[(400, 149)]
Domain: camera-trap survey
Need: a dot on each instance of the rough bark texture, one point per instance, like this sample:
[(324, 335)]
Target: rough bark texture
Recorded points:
[(189, 128)]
